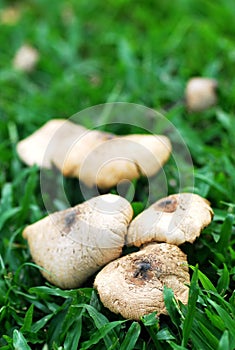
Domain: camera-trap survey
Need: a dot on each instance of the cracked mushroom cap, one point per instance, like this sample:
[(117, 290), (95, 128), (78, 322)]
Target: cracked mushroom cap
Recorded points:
[(133, 285), (97, 158), (174, 219), (200, 94), (72, 244)]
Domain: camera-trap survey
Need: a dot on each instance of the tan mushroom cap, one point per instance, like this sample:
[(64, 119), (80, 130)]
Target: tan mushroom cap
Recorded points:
[(26, 58), (97, 158), (133, 285), (51, 144), (72, 244), (126, 157), (200, 93), (174, 219)]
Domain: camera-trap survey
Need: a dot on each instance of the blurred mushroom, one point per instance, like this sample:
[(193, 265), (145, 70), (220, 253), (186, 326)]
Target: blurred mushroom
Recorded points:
[(97, 158), (200, 94), (133, 285), (73, 244), (175, 219), (52, 144), (10, 15), (124, 158), (26, 58)]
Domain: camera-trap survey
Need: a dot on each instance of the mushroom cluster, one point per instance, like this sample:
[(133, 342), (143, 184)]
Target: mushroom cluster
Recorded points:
[(95, 157), (141, 276), (72, 245)]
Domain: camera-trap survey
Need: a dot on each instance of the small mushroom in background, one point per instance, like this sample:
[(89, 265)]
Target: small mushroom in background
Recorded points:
[(200, 94), (133, 285), (97, 158), (10, 15), (175, 219), (73, 244), (26, 58)]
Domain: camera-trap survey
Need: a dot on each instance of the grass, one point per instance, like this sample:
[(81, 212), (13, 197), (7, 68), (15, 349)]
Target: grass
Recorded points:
[(92, 53)]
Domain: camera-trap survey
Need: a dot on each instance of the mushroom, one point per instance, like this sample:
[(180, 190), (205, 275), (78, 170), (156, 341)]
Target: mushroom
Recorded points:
[(174, 219), (97, 158), (26, 58), (200, 94), (73, 244), (133, 285), (10, 15), (124, 158), (51, 144)]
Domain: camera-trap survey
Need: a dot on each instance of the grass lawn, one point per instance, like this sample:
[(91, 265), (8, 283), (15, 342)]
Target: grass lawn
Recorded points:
[(93, 52)]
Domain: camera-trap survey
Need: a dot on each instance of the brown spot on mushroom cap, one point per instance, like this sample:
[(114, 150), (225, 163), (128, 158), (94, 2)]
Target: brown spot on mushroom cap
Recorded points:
[(74, 243), (200, 93), (175, 219), (133, 285), (97, 158), (167, 205)]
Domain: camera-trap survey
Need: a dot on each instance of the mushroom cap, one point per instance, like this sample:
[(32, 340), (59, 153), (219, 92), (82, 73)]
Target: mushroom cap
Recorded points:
[(51, 144), (97, 158), (200, 93), (133, 285), (72, 244), (26, 58), (124, 158), (174, 219)]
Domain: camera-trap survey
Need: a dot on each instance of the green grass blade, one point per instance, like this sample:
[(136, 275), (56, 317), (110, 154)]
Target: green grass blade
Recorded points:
[(38, 325), (213, 184), (228, 320), (210, 338), (28, 195), (99, 321), (176, 346), (164, 335), (171, 305), (224, 281), (74, 334), (43, 290), (151, 322), (206, 283), (28, 320), (224, 342), (7, 215), (225, 233), (215, 320), (191, 308), (131, 337), (6, 197), (100, 334), (19, 341)]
